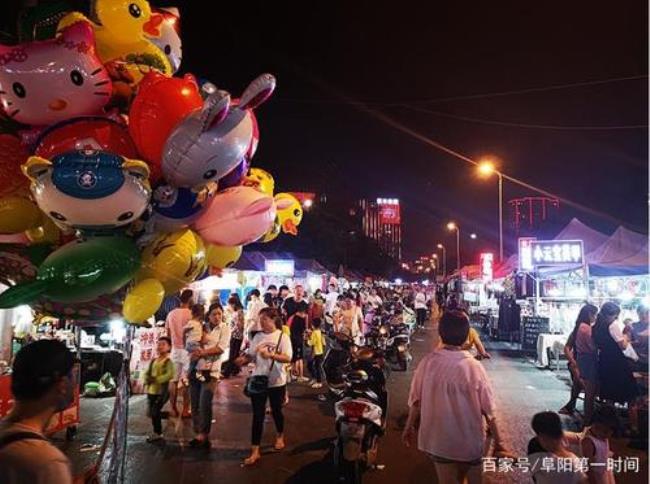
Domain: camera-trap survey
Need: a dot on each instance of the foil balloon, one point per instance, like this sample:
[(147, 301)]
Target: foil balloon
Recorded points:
[(122, 28), (212, 141), (273, 232), (169, 40), (176, 208), (174, 259), (78, 272), (222, 257), (85, 133), (18, 214), (236, 175), (236, 216), (260, 180), (143, 301), (12, 155), (42, 83), (289, 212), (89, 189), (161, 104)]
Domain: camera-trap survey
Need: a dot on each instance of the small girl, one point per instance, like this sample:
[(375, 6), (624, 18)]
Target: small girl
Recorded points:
[(595, 444)]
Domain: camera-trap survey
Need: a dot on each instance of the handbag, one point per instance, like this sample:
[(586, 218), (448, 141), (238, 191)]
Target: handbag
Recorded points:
[(259, 384)]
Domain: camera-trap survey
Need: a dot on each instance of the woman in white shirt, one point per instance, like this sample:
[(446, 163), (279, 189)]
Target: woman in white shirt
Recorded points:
[(270, 350)]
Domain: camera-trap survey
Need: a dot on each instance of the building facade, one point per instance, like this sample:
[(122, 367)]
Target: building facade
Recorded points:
[(381, 221)]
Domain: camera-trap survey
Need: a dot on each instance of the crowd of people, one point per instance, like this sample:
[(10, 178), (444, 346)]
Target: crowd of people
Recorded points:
[(603, 355), (280, 338)]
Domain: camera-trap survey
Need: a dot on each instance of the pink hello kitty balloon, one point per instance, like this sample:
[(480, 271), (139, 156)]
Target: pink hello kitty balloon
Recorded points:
[(42, 83)]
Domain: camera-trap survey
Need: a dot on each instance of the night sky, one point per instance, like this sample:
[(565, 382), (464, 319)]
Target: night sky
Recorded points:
[(388, 54)]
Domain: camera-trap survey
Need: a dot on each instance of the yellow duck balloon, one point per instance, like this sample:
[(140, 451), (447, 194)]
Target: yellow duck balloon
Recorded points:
[(288, 217), (289, 212), (260, 180), (121, 29), (175, 259)]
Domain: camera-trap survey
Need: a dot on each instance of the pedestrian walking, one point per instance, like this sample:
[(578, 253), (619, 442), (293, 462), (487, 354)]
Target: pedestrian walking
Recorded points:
[(297, 327), (42, 383), (270, 350), (175, 323), (420, 304), (159, 373), (237, 323), (204, 380), (450, 397), (582, 354)]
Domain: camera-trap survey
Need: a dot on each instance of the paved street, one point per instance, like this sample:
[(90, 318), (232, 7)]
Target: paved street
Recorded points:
[(521, 388)]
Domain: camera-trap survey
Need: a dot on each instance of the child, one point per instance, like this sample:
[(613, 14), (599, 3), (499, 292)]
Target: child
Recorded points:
[(549, 457), (157, 378), (317, 343), (193, 334), (595, 444)]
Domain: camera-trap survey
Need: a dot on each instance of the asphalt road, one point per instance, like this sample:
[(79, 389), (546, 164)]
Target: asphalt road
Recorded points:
[(521, 389)]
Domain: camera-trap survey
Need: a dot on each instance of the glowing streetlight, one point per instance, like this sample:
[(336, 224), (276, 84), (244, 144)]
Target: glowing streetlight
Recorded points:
[(444, 259), (485, 169), (473, 236), (308, 203), (451, 226)]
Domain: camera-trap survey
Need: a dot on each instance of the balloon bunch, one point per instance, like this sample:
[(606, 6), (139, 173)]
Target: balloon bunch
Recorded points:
[(124, 183)]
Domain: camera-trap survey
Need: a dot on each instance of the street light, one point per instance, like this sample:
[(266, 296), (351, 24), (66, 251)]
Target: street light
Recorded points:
[(472, 236), (451, 226), (485, 169), (444, 259)]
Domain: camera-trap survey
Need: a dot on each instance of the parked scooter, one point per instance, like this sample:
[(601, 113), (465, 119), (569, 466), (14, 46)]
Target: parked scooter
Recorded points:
[(360, 415)]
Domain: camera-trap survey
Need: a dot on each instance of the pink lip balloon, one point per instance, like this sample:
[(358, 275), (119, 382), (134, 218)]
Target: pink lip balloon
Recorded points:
[(236, 216)]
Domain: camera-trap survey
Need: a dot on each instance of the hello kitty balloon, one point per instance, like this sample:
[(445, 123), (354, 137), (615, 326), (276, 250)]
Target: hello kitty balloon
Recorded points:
[(42, 83)]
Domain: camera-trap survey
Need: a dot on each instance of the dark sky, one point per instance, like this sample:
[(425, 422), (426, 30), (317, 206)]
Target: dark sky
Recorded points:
[(387, 52)]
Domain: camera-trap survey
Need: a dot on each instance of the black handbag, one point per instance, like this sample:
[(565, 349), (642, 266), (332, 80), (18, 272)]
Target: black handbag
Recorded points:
[(259, 384)]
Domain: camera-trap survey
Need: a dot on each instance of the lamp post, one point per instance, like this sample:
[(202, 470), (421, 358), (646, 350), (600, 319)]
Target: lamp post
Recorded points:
[(485, 169), (444, 259), (454, 226)]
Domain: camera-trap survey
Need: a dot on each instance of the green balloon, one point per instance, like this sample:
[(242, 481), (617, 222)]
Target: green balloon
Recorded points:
[(79, 272)]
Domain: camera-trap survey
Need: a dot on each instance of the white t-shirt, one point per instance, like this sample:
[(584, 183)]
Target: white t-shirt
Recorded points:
[(31, 461), (253, 314), (616, 332), (217, 337), (277, 376), (454, 394), (330, 301), (375, 301), (420, 301)]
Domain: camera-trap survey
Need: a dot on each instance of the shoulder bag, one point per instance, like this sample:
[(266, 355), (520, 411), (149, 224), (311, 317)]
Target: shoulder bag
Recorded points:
[(259, 384)]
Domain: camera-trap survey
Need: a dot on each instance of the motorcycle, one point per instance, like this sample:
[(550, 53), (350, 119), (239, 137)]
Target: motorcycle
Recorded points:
[(360, 422), (398, 349)]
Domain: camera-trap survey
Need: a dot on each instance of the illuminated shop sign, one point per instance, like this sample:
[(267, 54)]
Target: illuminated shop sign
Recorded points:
[(537, 253), (279, 267), (487, 266)]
